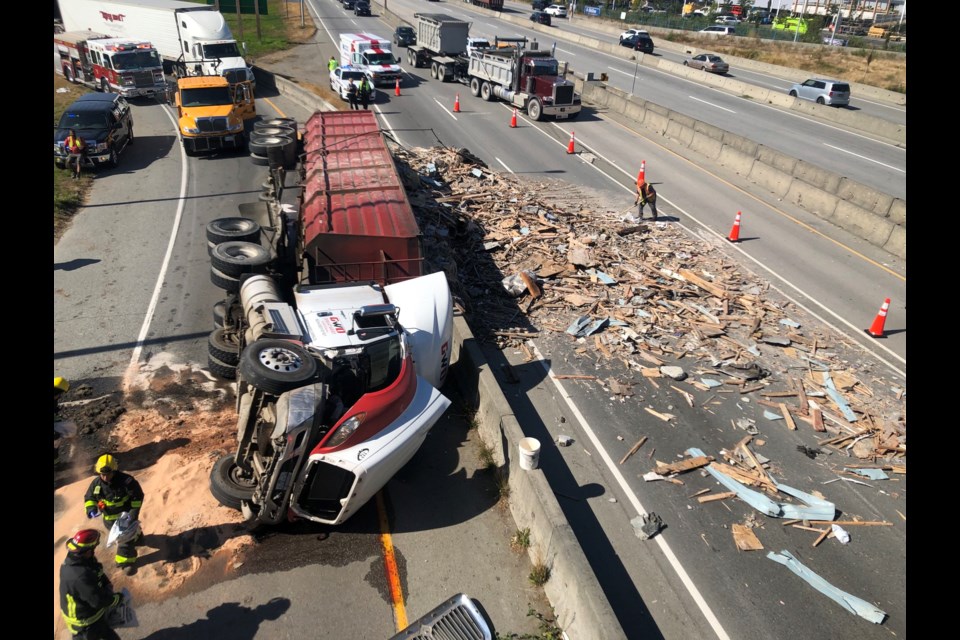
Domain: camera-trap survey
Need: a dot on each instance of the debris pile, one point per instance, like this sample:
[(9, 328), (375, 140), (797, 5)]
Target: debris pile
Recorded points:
[(525, 257)]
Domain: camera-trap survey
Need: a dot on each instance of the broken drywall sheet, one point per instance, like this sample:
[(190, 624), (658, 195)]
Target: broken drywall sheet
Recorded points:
[(818, 509), (851, 603)]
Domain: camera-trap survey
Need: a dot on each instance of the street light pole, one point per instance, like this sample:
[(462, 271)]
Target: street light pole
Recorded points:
[(803, 12)]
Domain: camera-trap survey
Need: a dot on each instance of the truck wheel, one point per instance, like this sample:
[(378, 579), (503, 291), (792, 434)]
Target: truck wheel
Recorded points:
[(236, 229), (219, 314), (104, 85), (229, 484), (486, 91), (433, 70), (130, 137), (534, 109), (410, 58), (260, 144), (221, 370), (475, 87), (224, 346), (236, 258), (275, 366), (223, 281), (442, 72), (114, 158)]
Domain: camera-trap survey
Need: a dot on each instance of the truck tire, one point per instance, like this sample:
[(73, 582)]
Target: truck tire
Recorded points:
[(219, 314), (236, 258), (221, 370), (433, 70), (534, 109), (224, 346), (410, 58), (223, 281), (229, 484), (475, 87), (114, 159), (442, 72), (233, 229), (104, 85), (260, 161), (260, 144), (486, 91), (276, 366)]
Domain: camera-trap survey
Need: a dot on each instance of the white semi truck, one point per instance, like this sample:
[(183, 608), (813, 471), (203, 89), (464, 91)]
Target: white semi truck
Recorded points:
[(192, 39)]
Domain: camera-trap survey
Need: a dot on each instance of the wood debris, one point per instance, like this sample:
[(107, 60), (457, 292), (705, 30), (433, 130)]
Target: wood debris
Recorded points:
[(745, 538), (648, 294)]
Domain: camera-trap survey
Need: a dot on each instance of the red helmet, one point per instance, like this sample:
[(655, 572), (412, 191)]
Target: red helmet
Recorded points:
[(83, 540)]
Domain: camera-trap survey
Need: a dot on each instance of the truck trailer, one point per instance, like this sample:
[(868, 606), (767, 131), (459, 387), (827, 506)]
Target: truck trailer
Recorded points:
[(340, 343), (192, 39), (131, 68), (527, 78)]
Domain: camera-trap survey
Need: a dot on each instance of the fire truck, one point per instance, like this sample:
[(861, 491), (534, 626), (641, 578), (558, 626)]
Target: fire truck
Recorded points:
[(129, 67)]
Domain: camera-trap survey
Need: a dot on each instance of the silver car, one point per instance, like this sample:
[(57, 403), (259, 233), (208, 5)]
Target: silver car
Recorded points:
[(830, 92), (708, 62)]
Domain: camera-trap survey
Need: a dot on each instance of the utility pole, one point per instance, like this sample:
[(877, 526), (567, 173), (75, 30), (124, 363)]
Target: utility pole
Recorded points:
[(803, 12), (239, 21), (256, 12)]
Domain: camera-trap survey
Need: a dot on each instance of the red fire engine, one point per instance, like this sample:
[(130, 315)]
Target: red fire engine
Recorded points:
[(116, 65)]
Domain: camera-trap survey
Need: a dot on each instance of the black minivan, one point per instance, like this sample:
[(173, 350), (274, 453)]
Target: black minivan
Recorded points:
[(540, 17)]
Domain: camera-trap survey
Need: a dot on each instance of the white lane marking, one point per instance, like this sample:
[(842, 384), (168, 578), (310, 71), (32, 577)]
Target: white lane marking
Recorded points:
[(711, 104), (857, 155), (503, 163), (660, 539), (445, 110), (133, 367), (387, 125), (857, 331), (619, 71), (569, 53), (353, 21)]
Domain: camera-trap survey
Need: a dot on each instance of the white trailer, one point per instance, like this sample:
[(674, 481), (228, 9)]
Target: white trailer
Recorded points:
[(192, 39)]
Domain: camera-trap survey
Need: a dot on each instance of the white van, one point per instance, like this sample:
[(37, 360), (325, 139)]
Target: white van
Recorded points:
[(719, 30)]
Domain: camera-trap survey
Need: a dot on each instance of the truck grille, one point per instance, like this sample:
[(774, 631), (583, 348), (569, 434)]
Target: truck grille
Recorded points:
[(143, 79), (456, 619), (563, 94), (211, 125), (234, 76)]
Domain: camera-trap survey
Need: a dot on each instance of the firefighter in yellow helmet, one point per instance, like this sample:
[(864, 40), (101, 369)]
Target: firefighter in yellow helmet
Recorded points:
[(110, 494), (86, 594)]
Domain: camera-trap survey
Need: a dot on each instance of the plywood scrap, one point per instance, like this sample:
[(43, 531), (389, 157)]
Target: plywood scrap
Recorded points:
[(716, 496), (745, 538), (684, 465), (666, 417), (785, 412), (850, 602)]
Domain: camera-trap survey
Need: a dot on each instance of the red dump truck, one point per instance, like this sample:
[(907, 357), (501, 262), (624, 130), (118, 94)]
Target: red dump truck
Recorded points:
[(338, 340)]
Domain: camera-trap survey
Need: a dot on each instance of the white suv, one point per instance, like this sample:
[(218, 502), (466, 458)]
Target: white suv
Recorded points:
[(719, 30), (557, 10), (730, 20)]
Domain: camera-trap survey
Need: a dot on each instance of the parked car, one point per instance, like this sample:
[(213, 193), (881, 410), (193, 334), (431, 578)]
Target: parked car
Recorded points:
[(404, 36), (720, 30), (829, 92), (348, 4), (727, 19), (631, 32), (540, 17), (540, 5), (341, 76), (361, 8), (557, 10), (104, 122), (708, 62), (638, 42)]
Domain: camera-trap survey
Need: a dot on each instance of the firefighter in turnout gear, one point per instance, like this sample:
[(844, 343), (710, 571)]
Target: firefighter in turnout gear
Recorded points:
[(86, 594), (110, 494)]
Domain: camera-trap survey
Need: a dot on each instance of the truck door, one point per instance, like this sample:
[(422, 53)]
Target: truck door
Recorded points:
[(243, 98)]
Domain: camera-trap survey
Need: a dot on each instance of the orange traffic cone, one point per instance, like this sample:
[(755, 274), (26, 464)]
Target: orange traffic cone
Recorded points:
[(876, 329), (456, 104), (396, 88), (643, 172), (735, 231), (513, 119), (570, 144)]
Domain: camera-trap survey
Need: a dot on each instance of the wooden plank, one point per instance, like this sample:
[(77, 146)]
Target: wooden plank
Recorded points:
[(684, 465), (785, 412), (633, 449), (686, 395), (821, 537), (700, 493), (858, 523), (663, 416), (804, 409), (817, 416), (574, 377), (756, 463), (709, 287), (800, 526), (745, 538), (717, 496), (531, 284)]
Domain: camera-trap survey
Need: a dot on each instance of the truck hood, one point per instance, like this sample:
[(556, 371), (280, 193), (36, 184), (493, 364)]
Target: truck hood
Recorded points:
[(382, 68), (90, 136), (214, 111), (426, 312), (235, 62)]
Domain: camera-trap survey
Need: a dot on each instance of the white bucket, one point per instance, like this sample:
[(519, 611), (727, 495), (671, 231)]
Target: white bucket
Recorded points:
[(529, 453)]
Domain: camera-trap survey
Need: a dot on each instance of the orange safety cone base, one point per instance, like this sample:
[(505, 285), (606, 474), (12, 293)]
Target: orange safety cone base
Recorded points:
[(396, 89), (570, 147), (735, 231), (456, 104), (513, 120)]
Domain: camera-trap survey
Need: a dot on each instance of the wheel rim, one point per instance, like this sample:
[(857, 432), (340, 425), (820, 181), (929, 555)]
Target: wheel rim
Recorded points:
[(236, 477), (280, 359)]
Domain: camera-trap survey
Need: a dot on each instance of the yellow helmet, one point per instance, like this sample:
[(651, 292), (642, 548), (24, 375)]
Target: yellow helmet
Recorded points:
[(61, 384), (106, 462)]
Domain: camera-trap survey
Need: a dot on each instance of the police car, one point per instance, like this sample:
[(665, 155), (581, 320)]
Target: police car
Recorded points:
[(340, 78)]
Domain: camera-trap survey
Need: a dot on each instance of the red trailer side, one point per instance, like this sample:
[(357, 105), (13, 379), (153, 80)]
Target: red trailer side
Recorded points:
[(355, 219)]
